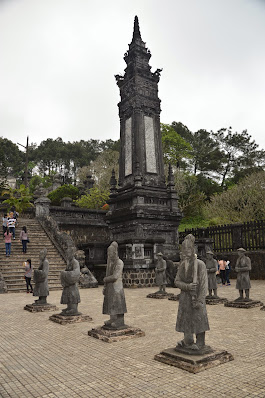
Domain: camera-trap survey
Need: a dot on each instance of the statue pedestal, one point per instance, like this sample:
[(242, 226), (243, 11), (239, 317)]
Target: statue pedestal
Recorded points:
[(64, 319), (40, 307), (175, 297), (113, 335), (193, 363), (160, 295), (263, 308), (243, 304), (215, 300)]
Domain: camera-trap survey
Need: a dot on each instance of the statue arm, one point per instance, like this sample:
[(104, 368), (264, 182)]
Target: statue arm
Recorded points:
[(181, 285), (202, 282), (116, 274)]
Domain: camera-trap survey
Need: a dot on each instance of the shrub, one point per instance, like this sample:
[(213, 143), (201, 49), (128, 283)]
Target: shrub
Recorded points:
[(65, 190)]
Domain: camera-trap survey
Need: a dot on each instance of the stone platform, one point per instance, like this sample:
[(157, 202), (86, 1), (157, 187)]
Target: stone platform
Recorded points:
[(243, 304), (40, 308), (263, 308), (112, 335), (175, 297), (158, 295), (215, 301), (193, 363), (65, 319)]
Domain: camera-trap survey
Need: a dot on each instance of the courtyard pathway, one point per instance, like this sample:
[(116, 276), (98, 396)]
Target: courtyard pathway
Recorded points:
[(42, 359)]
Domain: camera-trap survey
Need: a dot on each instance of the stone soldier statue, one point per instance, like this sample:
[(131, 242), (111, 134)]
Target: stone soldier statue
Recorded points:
[(69, 281), (161, 279), (243, 266), (114, 300), (40, 278), (192, 315), (212, 268)]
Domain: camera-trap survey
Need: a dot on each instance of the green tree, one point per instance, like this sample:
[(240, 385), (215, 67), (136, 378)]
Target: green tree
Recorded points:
[(96, 199), (20, 198), (12, 160), (238, 152), (175, 148), (66, 190)]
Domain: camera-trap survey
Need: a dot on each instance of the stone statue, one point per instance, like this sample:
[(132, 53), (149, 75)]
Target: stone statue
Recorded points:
[(161, 279), (212, 268), (40, 279), (243, 266), (192, 315), (69, 281), (114, 300), (3, 287)]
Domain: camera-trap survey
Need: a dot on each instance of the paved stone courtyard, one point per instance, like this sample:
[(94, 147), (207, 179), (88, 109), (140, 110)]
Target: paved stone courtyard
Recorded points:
[(42, 359)]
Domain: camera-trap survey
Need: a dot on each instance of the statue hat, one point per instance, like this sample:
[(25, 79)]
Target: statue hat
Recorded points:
[(160, 254), (241, 249)]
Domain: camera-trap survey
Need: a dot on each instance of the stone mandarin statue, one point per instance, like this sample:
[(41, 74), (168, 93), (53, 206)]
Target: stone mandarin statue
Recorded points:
[(114, 300), (40, 278), (161, 279), (192, 280), (243, 266), (212, 268), (69, 281)]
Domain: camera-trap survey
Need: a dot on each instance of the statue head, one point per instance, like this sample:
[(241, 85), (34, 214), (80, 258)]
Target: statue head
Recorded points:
[(113, 251), (209, 254), (241, 252), (43, 254), (70, 252), (188, 246)]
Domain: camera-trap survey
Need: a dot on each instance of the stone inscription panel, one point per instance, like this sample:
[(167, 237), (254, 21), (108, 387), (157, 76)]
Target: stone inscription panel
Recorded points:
[(128, 147), (150, 145)]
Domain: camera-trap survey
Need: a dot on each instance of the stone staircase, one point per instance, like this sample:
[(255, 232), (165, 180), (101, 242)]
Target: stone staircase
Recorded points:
[(12, 267)]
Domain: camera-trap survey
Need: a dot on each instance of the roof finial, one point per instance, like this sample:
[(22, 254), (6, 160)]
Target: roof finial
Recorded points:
[(136, 29)]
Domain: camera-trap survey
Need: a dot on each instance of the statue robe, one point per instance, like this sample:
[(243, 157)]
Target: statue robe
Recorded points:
[(243, 279), (114, 299), (161, 278), (40, 278), (192, 320), (69, 281), (212, 268)]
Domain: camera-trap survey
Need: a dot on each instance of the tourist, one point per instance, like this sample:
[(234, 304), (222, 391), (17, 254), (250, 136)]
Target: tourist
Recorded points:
[(24, 239), (227, 272), (5, 221), (8, 236), (28, 275), (222, 265), (11, 225)]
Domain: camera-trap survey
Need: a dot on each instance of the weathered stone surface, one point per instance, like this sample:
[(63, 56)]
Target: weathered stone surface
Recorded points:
[(263, 308), (40, 308), (160, 295), (87, 279), (111, 336), (65, 319), (193, 363), (210, 300), (3, 287), (175, 297), (243, 304)]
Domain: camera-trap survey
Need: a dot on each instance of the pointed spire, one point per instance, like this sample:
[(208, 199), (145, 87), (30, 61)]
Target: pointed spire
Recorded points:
[(136, 29)]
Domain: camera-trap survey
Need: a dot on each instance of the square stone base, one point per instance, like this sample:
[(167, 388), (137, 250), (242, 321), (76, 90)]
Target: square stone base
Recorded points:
[(243, 304), (40, 308), (193, 363), (215, 301), (175, 297), (64, 319), (111, 336), (158, 295)]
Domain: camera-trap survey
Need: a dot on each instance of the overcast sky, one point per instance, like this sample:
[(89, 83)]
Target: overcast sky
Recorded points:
[(58, 59)]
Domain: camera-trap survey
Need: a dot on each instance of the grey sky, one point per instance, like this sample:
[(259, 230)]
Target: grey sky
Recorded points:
[(59, 57)]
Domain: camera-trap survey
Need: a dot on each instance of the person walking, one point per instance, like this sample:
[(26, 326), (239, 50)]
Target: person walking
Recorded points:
[(227, 272), (222, 265), (24, 239), (28, 275), (12, 225), (8, 236)]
